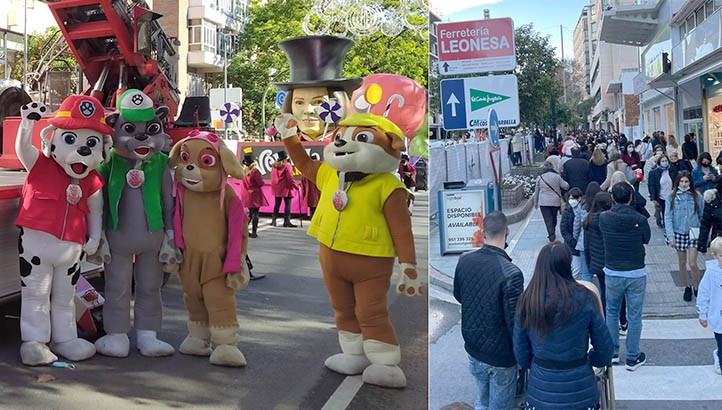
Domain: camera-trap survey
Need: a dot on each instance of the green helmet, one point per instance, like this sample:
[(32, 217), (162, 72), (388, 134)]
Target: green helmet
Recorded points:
[(135, 106)]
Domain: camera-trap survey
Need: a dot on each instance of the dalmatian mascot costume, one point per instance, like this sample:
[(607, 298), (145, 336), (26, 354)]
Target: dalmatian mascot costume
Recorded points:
[(139, 223), (362, 225), (60, 219)]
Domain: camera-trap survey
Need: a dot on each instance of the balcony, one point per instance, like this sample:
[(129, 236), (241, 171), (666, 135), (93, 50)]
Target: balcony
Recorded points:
[(205, 10), (207, 61), (630, 22), (702, 41)]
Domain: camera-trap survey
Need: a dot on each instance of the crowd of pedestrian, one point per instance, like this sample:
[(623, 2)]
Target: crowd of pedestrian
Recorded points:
[(593, 182)]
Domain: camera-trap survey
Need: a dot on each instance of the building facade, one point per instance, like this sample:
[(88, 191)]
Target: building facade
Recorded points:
[(585, 45), (678, 83), (206, 31)]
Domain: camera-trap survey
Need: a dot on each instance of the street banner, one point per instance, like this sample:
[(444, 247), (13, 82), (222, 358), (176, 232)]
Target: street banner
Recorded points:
[(465, 102), (476, 46)]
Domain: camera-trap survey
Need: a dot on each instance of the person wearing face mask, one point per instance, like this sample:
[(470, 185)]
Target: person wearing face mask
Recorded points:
[(660, 184), (631, 157), (704, 175), (683, 211), (567, 229)]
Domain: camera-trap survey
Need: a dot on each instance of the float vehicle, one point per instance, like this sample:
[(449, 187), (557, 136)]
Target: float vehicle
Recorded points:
[(118, 44)]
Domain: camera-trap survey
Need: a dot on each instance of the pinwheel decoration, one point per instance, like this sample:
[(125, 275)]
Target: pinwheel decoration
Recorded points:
[(230, 112), (331, 111)]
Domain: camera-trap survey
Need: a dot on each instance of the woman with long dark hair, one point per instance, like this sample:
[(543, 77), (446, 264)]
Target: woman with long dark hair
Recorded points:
[(594, 242), (555, 321), (682, 216)]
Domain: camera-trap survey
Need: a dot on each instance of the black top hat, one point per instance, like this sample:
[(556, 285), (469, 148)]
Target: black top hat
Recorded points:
[(317, 61), (247, 159), (282, 155)]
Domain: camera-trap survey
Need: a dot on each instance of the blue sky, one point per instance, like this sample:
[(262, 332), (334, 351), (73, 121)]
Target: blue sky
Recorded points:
[(546, 15)]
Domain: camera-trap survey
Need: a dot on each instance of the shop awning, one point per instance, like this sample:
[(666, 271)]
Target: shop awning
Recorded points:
[(614, 87), (666, 80)]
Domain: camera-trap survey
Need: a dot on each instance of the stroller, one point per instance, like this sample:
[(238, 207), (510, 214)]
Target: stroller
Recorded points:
[(604, 375)]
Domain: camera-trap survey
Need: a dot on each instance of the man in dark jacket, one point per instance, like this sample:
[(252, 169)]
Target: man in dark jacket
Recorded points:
[(567, 228), (625, 233), (488, 285), (656, 140), (576, 171)]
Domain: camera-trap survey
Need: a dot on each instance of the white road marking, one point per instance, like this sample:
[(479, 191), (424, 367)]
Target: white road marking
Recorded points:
[(668, 383), (518, 234), (342, 397), (675, 329)]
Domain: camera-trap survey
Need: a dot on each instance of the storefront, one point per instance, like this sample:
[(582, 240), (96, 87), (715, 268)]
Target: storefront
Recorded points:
[(712, 108)]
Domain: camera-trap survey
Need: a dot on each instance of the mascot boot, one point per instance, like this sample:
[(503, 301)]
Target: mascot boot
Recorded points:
[(36, 353), (384, 370), (353, 360), (225, 352), (198, 341), (149, 345), (113, 345)]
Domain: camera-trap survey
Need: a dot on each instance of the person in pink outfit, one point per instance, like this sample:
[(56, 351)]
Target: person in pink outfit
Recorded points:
[(253, 192), (282, 186)]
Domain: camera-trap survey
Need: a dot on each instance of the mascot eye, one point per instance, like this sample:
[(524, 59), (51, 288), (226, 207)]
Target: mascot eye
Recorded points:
[(208, 160), (92, 141), (154, 128), (129, 128), (338, 136), (365, 136), (69, 138), (185, 156)]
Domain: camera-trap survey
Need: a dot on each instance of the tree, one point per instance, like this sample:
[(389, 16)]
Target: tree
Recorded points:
[(536, 74), (259, 61), (38, 46)]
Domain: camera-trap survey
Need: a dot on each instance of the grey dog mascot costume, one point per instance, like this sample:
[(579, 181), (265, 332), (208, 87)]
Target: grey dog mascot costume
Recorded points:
[(138, 224)]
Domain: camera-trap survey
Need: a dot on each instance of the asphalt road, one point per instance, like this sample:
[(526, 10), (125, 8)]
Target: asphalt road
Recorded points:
[(287, 331)]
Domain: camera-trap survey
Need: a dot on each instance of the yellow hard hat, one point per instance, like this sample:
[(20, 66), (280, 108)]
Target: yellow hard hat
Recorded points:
[(372, 120)]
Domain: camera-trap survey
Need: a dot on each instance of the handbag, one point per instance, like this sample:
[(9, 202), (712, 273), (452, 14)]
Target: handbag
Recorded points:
[(562, 202)]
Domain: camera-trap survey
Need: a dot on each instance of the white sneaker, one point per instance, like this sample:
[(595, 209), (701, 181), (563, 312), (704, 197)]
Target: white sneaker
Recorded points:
[(716, 362)]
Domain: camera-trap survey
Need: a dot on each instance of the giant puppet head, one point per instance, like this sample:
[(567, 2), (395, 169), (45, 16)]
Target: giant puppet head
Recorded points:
[(316, 63), (398, 98), (78, 138), (365, 143), (138, 127)]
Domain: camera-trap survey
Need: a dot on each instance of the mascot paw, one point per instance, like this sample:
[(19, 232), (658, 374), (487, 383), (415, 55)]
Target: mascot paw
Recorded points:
[(195, 346), (113, 344), (36, 354), (32, 112), (348, 364), (239, 280), (102, 253), (385, 376), (169, 253), (150, 346), (227, 355), (286, 125), (91, 246), (409, 283), (76, 349)]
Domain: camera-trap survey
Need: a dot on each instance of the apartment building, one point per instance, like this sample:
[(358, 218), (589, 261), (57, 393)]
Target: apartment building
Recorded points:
[(585, 45), (680, 65), (12, 20), (206, 31)]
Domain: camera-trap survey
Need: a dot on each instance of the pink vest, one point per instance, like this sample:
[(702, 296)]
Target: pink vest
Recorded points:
[(44, 207)]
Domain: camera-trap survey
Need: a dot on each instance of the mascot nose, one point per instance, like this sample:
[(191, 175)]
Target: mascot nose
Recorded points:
[(141, 137), (339, 143), (84, 151), (190, 167)]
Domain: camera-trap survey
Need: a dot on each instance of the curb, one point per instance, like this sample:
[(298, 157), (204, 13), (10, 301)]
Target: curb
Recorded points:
[(440, 280), (521, 213)]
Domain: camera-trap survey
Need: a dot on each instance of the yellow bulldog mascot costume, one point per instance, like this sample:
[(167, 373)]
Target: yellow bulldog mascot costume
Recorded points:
[(361, 224)]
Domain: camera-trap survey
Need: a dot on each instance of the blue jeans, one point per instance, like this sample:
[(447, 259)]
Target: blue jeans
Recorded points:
[(633, 290), (496, 385), (586, 275)]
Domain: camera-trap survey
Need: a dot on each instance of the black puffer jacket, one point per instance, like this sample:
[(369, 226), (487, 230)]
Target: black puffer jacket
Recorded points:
[(625, 233), (594, 245), (567, 228), (711, 219), (488, 285)]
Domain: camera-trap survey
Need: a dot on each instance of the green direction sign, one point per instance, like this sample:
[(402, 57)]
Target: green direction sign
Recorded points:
[(481, 99)]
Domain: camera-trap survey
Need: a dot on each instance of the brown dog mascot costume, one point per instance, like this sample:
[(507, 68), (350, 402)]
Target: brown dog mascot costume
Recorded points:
[(214, 240), (362, 224)]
